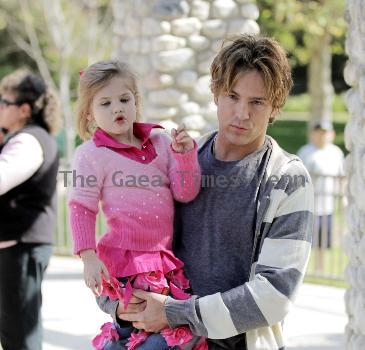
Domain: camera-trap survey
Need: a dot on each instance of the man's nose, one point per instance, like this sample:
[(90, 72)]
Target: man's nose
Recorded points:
[(242, 111)]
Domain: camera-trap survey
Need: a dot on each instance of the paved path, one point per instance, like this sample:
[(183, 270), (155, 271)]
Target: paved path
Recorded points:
[(71, 317)]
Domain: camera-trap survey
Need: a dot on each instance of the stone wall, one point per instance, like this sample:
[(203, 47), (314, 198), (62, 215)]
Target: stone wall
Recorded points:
[(355, 168), (170, 44)]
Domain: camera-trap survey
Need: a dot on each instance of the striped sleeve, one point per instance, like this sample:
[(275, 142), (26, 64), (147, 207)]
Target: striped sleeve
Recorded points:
[(278, 271)]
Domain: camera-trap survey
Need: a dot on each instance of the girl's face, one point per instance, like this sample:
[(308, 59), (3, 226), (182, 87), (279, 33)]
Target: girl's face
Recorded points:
[(114, 110)]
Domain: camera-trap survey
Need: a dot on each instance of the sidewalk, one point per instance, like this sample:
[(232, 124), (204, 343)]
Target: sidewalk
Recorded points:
[(71, 317)]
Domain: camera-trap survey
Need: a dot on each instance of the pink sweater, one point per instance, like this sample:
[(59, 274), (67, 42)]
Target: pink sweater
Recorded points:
[(137, 200)]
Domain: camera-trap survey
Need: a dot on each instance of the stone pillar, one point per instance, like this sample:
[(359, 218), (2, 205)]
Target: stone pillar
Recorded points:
[(171, 43), (355, 168)]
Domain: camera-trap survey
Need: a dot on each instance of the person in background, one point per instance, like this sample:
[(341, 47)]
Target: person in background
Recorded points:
[(29, 115), (324, 161)]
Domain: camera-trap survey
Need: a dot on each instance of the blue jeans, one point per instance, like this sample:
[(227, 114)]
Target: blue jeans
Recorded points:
[(153, 342)]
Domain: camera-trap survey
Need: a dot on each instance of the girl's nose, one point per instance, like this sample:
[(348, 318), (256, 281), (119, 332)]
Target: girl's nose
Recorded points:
[(118, 107)]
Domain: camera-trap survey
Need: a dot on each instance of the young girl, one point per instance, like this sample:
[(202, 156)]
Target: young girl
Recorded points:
[(135, 175)]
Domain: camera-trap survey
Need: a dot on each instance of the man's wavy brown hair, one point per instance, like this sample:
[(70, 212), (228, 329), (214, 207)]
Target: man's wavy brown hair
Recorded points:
[(243, 53)]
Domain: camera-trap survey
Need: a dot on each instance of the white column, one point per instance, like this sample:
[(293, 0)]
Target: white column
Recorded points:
[(171, 43), (355, 168)]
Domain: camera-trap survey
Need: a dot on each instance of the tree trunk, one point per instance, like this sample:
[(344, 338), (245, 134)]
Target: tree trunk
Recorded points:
[(320, 84), (60, 34), (64, 88)]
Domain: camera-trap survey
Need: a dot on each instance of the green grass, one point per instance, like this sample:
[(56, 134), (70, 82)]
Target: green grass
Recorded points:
[(292, 134), (301, 103), (291, 126), (335, 262), (326, 282)]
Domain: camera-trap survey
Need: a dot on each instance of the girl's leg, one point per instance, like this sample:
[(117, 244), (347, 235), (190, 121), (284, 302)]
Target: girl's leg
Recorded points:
[(154, 342), (120, 344)]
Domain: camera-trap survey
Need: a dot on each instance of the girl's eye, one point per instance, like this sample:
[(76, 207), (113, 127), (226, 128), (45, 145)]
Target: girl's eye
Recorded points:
[(124, 100), (105, 103)]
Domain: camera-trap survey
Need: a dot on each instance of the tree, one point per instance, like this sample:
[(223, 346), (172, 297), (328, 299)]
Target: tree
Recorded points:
[(51, 33), (307, 29)]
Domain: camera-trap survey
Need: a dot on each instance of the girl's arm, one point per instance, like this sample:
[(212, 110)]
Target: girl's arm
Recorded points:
[(184, 170), (82, 223), (84, 197)]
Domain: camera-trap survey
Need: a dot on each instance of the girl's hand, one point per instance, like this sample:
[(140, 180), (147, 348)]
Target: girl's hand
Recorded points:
[(93, 271), (181, 140)]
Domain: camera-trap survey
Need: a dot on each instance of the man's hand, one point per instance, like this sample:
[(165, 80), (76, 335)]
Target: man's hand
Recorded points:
[(135, 305), (153, 318)]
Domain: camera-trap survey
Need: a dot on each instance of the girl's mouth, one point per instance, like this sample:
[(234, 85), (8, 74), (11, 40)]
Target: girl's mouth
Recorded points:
[(119, 119)]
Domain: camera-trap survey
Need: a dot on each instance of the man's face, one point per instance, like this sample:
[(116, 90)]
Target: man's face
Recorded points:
[(244, 112), (321, 138)]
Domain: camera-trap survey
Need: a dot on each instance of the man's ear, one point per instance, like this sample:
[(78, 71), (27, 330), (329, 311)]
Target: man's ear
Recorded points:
[(273, 115), (25, 111), (215, 99), (331, 136)]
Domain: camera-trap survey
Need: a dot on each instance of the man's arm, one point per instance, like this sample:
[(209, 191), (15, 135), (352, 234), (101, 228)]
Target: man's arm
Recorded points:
[(108, 306), (279, 270)]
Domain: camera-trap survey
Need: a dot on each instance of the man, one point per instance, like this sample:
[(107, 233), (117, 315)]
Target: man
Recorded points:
[(324, 161), (245, 240)]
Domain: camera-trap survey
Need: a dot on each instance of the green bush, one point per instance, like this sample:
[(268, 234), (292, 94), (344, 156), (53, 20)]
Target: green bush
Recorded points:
[(292, 134), (301, 103)]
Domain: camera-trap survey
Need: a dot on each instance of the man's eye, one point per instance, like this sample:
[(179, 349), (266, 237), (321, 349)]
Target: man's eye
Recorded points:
[(233, 97), (258, 102)]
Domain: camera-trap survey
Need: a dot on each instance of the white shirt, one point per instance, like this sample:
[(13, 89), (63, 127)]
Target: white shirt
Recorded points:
[(324, 165), (20, 158)]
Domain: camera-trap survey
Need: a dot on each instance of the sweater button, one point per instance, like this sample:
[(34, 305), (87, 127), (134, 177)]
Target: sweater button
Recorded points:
[(143, 158), (144, 146)]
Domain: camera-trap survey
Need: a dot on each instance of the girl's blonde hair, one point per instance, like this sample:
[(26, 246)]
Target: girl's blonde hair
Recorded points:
[(246, 52), (94, 78), (30, 88)]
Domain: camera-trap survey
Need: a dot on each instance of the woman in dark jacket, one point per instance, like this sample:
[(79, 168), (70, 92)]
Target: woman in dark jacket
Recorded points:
[(29, 114)]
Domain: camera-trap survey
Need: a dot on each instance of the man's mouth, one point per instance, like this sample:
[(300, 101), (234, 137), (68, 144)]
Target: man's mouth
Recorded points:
[(238, 127)]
